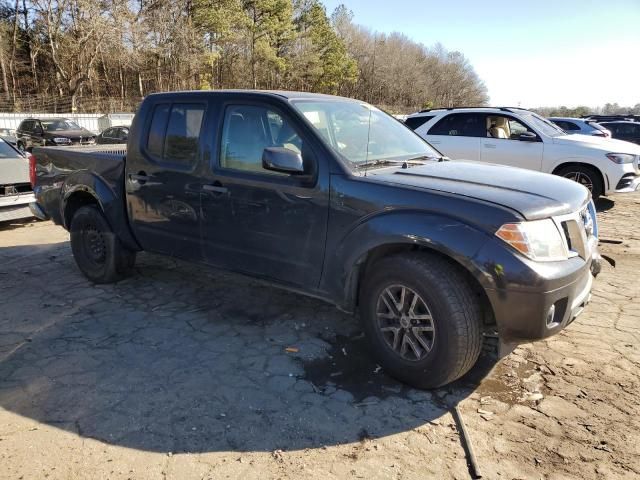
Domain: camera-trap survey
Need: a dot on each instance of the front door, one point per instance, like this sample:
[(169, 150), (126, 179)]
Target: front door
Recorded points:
[(162, 180), (257, 221), (502, 144)]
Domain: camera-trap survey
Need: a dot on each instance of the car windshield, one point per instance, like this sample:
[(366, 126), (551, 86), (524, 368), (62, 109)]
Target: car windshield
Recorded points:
[(543, 125), (53, 125), (363, 134)]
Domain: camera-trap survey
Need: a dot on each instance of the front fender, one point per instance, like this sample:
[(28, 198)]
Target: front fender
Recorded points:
[(110, 202), (448, 236)]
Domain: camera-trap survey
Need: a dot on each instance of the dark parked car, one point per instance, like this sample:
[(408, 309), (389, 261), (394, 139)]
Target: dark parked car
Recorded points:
[(333, 198), (113, 135), (34, 132), (15, 186), (629, 131)]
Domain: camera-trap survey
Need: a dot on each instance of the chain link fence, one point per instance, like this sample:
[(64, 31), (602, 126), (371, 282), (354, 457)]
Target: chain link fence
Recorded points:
[(55, 104)]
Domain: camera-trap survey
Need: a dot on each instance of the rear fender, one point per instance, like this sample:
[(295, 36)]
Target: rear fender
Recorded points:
[(83, 182)]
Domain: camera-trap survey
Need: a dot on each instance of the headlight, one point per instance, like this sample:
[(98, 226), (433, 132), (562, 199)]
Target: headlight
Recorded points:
[(539, 240), (620, 157), (61, 140)]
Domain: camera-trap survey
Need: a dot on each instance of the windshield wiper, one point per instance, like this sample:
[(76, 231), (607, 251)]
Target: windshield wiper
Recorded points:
[(410, 162)]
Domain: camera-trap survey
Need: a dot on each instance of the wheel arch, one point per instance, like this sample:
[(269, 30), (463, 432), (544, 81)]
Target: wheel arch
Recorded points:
[(604, 183), (390, 233), (369, 259), (84, 188)]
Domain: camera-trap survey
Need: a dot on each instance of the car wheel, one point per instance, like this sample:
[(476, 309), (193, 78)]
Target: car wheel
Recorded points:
[(586, 176), (97, 250), (421, 318)]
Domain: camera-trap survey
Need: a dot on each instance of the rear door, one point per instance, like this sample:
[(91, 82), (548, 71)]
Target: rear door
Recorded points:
[(458, 135), (257, 221), (163, 179), (503, 145)]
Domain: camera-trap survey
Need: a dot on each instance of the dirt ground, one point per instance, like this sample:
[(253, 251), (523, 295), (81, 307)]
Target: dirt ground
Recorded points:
[(182, 373)]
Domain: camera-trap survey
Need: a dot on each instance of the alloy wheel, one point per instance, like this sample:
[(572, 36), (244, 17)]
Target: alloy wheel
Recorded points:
[(581, 178), (406, 323)]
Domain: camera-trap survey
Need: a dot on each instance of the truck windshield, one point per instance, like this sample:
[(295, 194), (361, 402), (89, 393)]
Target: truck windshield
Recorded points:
[(363, 134), (53, 125)]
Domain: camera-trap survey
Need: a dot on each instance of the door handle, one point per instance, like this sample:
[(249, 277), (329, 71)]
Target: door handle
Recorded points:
[(434, 142), (216, 188), (489, 145), (142, 178)]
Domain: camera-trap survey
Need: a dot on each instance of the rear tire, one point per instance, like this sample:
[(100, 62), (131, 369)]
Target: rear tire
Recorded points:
[(98, 252), (440, 315), (586, 176)]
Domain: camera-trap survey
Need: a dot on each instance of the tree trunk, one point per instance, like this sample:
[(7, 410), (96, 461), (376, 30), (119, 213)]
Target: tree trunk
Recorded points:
[(5, 82), (140, 84)]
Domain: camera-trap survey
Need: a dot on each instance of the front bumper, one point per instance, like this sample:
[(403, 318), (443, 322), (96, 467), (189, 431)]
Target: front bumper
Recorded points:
[(628, 183), (534, 301)]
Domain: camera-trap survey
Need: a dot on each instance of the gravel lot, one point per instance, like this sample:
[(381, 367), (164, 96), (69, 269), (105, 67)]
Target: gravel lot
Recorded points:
[(185, 373)]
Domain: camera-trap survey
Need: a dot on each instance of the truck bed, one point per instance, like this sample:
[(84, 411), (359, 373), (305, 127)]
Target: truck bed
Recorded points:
[(55, 164)]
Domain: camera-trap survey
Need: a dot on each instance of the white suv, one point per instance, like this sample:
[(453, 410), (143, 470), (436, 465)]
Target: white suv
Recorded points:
[(520, 138)]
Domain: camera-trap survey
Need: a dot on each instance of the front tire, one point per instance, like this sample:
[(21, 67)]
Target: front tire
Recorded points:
[(586, 176), (421, 318), (98, 252)]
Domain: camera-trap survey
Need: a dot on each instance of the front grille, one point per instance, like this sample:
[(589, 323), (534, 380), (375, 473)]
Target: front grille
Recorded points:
[(579, 231)]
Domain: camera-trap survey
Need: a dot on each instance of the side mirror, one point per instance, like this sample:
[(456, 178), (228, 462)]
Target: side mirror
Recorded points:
[(283, 160), (528, 137)]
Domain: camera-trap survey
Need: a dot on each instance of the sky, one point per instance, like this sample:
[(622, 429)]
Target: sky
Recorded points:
[(528, 53)]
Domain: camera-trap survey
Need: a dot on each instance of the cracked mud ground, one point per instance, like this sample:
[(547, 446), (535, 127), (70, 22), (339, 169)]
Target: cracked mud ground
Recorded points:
[(184, 373)]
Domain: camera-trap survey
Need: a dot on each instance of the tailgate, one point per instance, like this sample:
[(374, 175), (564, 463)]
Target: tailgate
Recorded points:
[(14, 170)]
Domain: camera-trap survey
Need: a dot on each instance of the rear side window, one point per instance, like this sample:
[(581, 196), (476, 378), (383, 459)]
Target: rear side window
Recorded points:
[(416, 122), (460, 125), (174, 133), (183, 134), (27, 125), (155, 140), (563, 124)]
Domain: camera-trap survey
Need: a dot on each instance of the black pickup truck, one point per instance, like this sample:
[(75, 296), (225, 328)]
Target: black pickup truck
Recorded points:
[(333, 198)]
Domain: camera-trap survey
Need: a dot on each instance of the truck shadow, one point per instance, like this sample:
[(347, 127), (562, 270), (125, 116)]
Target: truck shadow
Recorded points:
[(181, 359)]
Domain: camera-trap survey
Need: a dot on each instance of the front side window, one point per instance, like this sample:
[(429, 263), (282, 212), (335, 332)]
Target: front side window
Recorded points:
[(360, 133), (248, 130), (502, 127), (460, 125)]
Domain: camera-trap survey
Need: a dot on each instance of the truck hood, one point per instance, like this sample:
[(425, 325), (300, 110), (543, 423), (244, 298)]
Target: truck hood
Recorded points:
[(610, 145), (533, 195)]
